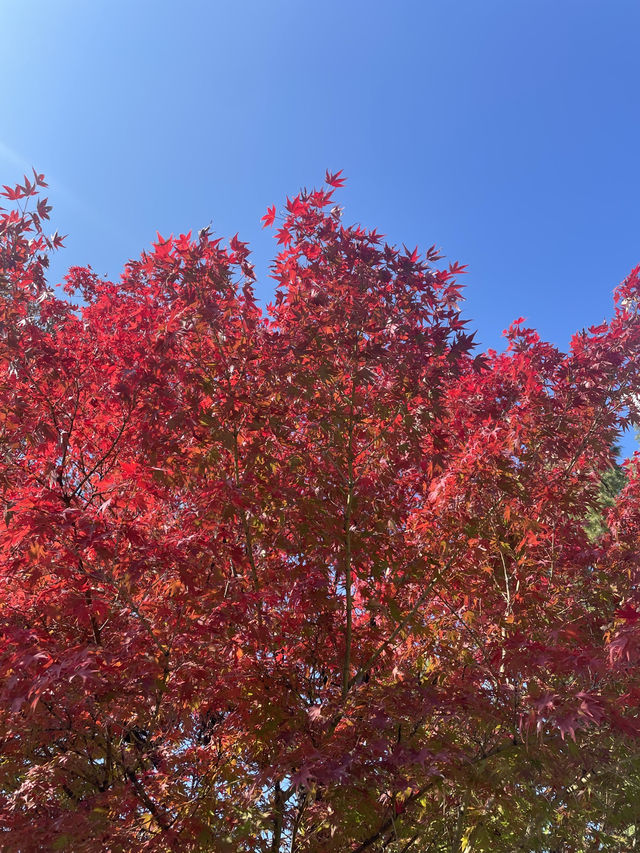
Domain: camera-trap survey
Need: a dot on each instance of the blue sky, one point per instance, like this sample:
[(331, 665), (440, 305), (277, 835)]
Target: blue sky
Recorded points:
[(504, 131)]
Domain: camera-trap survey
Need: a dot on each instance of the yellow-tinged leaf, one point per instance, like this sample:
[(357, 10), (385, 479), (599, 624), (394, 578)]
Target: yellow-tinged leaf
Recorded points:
[(146, 820)]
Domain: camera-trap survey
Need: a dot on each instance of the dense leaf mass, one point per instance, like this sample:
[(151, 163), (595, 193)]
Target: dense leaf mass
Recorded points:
[(317, 578)]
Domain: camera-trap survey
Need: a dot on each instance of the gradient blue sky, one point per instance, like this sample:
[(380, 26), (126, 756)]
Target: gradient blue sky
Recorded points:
[(505, 131)]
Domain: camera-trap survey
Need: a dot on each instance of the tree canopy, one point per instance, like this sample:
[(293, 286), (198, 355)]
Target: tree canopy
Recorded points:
[(311, 578)]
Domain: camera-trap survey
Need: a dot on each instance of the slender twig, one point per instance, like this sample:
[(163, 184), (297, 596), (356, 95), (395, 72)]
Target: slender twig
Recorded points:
[(347, 536), (104, 456), (358, 677), (245, 520)]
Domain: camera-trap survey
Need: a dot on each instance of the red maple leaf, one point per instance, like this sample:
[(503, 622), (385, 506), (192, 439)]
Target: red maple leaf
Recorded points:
[(334, 180), (269, 216)]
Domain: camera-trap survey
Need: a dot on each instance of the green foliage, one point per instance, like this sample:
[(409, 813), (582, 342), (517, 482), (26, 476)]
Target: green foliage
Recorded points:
[(611, 484)]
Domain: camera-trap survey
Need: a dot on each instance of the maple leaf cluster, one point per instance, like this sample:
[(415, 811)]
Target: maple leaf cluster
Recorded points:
[(316, 578)]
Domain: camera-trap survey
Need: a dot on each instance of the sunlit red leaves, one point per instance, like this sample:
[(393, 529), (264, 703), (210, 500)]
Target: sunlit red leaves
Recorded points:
[(283, 236), (190, 489), (269, 216), (26, 189), (334, 179)]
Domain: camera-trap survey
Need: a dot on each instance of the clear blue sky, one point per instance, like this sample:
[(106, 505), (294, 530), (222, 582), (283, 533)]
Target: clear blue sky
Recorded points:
[(505, 131)]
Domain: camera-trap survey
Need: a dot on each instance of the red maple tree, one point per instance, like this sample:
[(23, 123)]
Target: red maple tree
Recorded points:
[(313, 579)]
